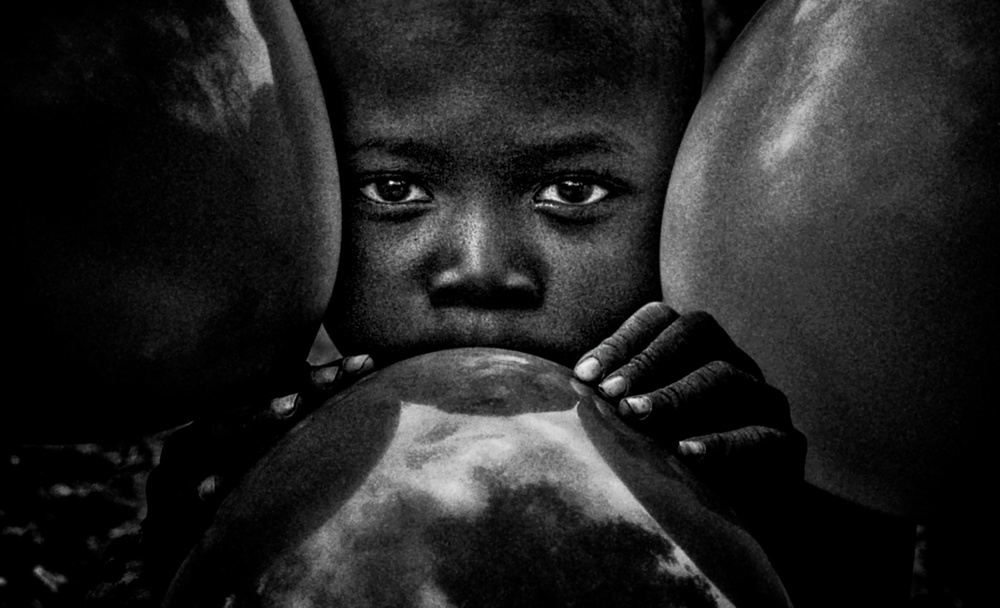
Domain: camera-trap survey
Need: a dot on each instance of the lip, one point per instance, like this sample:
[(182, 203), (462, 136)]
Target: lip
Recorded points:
[(507, 334)]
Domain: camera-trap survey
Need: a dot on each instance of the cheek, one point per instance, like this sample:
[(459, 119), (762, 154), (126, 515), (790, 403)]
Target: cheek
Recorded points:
[(614, 276), (596, 284), (377, 274)]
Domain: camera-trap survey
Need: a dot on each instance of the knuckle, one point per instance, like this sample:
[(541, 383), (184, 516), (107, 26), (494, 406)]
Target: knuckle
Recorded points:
[(644, 324), (644, 361), (664, 400), (614, 346), (653, 317), (657, 311), (611, 349), (715, 376)]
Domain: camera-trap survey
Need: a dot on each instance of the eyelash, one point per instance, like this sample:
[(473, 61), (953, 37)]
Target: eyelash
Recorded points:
[(609, 186), (410, 183)]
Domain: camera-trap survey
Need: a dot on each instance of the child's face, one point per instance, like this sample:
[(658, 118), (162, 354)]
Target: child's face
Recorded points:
[(496, 192)]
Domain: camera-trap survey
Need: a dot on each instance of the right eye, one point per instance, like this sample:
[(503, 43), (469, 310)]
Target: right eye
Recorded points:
[(394, 191)]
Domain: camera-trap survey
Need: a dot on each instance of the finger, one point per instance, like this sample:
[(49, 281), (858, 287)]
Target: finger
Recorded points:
[(633, 335), (231, 441), (210, 489), (716, 397), (247, 439), (755, 446), (201, 463), (690, 342), (756, 470), (283, 408), (358, 364), (336, 374)]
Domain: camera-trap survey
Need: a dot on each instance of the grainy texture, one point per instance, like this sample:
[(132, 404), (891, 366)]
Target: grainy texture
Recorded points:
[(724, 19), (61, 507)]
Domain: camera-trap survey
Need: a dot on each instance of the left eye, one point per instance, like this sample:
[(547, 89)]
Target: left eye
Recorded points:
[(394, 191), (572, 192)]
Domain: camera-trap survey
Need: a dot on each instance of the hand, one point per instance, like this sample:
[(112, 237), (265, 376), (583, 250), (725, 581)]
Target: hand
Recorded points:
[(201, 462), (681, 379)]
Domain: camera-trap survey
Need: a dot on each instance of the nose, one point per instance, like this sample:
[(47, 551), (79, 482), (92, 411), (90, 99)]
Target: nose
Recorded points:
[(485, 259)]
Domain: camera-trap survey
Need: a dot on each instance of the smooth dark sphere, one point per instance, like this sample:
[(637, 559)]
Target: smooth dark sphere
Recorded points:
[(474, 477), (173, 212), (834, 205)]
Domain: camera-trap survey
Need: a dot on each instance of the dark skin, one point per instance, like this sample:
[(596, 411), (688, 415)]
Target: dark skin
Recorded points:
[(521, 209), (505, 202), (567, 185)]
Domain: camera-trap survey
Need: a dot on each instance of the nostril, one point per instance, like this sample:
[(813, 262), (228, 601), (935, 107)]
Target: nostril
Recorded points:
[(512, 291)]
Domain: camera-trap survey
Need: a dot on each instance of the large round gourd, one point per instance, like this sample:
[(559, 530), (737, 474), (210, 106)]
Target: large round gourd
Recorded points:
[(472, 477), (836, 205), (172, 211)]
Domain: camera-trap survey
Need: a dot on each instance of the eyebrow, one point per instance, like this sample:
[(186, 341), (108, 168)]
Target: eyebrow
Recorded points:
[(525, 153), (404, 147), (577, 145)]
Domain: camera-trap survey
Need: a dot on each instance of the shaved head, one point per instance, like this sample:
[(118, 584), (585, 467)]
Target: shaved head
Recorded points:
[(636, 43), (504, 166)]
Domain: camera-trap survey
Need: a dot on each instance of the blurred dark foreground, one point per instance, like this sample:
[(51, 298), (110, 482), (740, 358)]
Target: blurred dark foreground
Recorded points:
[(61, 506)]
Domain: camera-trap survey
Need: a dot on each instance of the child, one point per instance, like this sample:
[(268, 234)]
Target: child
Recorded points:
[(503, 169)]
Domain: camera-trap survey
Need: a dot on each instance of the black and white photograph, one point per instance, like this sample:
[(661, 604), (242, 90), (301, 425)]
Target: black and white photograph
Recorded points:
[(500, 303)]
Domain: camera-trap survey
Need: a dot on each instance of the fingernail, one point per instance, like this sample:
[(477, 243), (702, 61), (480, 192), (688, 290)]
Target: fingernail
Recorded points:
[(690, 448), (325, 375), (283, 407), (355, 363), (209, 486), (640, 406), (614, 386), (588, 370)]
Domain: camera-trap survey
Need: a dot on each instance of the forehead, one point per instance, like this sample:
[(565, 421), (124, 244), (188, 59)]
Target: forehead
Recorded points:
[(535, 54)]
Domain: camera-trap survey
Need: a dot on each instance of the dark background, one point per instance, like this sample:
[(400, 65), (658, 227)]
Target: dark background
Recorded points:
[(60, 506)]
